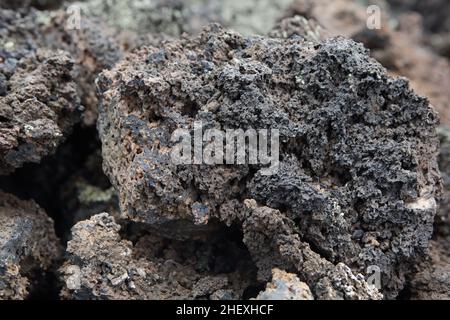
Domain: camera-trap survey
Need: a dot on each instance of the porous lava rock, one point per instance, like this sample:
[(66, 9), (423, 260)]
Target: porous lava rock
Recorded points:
[(102, 265), (357, 177), (38, 98), (93, 47), (397, 42), (28, 246)]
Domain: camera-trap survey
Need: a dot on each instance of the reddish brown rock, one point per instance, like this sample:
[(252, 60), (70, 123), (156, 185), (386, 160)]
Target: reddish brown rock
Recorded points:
[(432, 282)]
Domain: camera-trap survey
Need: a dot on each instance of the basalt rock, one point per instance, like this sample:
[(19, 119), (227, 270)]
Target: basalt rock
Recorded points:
[(432, 281), (101, 265), (38, 99), (357, 178), (397, 43), (28, 246), (91, 44)]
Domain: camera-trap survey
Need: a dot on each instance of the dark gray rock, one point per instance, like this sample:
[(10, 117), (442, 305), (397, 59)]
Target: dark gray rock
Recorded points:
[(39, 103), (358, 175), (28, 246)]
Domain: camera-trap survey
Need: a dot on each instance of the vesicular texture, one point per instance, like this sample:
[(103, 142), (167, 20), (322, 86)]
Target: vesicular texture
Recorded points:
[(358, 177)]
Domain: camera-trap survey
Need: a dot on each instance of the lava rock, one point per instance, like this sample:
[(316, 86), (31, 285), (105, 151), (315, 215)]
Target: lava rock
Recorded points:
[(39, 103), (101, 265), (432, 281), (93, 47), (357, 175), (298, 26), (397, 43), (28, 246)]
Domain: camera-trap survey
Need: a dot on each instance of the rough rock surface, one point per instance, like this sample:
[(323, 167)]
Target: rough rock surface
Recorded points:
[(442, 223), (298, 26), (101, 265), (356, 188), (93, 48), (28, 246), (432, 281), (273, 242), (285, 286), (358, 174), (398, 45), (38, 99)]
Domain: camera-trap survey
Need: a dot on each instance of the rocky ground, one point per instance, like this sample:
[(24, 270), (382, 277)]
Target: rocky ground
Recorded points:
[(92, 207)]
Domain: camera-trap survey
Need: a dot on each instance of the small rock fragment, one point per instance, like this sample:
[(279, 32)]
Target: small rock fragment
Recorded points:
[(398, 42), (285, 286), (298, 26)]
